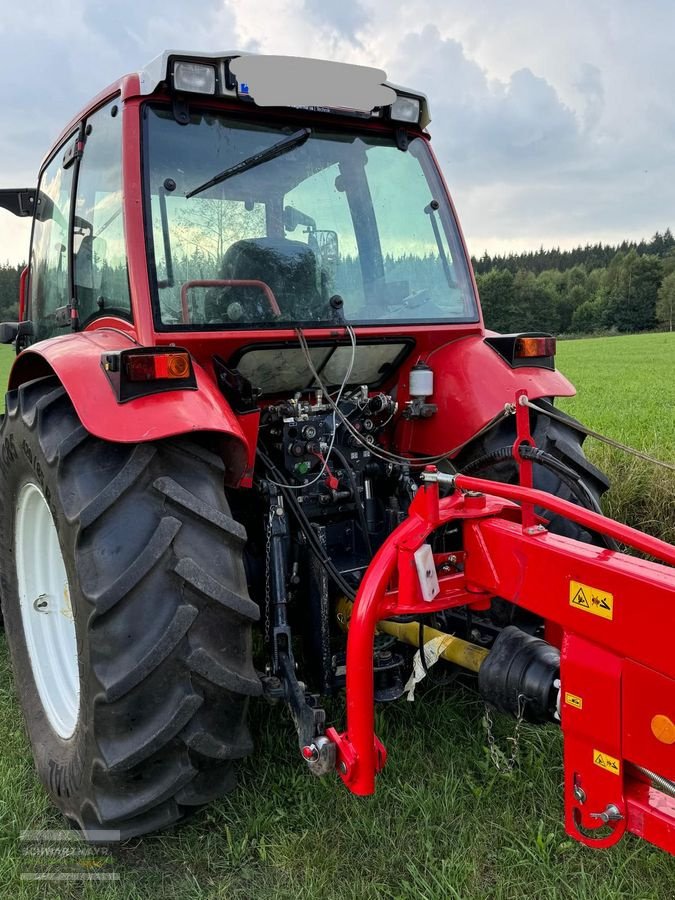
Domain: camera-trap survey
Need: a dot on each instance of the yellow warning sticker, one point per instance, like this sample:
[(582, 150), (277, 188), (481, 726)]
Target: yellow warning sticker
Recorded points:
[(592, 600), (605, 761), (573, 700)]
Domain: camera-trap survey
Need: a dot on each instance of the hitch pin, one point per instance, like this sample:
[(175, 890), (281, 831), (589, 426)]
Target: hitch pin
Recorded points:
[(438, 478), (610, 814)]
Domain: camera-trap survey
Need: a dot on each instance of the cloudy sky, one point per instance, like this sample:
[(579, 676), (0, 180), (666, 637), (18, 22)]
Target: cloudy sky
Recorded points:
[(554, 120)]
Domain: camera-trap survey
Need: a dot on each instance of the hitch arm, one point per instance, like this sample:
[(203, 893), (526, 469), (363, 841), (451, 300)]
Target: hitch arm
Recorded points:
[(619, 719)]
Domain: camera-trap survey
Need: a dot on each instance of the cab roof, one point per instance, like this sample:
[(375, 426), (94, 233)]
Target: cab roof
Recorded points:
[(325, 74)]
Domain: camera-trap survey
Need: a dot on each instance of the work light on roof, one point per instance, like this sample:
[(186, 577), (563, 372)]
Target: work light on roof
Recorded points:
[(195, 78), (405, 109)]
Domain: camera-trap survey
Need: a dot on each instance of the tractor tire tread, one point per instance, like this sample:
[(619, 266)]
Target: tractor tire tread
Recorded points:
[(163, 602)]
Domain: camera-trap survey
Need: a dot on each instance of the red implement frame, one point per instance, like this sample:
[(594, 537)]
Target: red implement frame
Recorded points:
[(617, 685)]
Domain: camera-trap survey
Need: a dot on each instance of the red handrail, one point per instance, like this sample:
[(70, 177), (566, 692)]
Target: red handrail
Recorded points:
[(22, 294), (226, 282)]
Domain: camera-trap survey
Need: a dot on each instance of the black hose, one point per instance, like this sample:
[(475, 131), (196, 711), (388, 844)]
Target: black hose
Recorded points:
[(306, 527), (355, 491), (568, 476)]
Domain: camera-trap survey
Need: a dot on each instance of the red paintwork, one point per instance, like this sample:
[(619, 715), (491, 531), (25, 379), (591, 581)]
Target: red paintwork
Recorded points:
[(651, 814), (534, 570), (22, 294), (76, 359), (472, 383)]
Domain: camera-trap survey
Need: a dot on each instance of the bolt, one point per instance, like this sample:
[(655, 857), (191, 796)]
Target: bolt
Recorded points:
[(579, 793), (535, 529), (41, 604), (610, 814)]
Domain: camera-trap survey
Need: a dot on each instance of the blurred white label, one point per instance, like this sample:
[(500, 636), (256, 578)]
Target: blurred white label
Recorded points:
[(295, 81), (426, 572)]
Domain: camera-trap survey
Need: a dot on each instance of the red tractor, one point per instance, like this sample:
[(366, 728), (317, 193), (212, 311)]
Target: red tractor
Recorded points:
[(240, 450)]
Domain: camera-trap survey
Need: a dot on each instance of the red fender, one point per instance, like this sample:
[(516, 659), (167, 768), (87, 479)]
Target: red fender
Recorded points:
[(472, 383), (76, 361)]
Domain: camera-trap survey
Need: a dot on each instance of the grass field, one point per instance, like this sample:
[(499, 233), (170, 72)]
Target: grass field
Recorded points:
[(444, 823)]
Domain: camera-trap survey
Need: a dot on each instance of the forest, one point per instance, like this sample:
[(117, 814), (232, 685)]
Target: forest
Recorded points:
[(585, 290)]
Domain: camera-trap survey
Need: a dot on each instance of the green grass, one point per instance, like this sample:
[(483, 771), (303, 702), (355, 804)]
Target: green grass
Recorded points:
[(444, 823), (6, 359), (626, 390)]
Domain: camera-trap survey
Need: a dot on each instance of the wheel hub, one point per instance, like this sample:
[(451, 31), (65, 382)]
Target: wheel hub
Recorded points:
[(46, 611)]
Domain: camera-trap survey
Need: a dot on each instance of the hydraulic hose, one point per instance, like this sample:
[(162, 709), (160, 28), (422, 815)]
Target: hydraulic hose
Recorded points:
[(355, 491), (306, 526), (568, 476)]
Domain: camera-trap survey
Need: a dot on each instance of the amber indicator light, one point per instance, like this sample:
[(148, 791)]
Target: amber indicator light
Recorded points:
[(534, 347), (154, 367)]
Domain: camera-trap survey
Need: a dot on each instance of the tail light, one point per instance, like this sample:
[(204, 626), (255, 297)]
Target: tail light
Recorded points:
[(534, 347), (156, 366), (148, 370), (525, 349)]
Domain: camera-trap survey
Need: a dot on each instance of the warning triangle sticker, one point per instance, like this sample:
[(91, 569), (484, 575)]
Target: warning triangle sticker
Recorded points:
[(580, 599)]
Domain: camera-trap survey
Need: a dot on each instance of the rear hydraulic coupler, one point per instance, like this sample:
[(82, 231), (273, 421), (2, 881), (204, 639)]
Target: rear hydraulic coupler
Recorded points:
[(521, 676)]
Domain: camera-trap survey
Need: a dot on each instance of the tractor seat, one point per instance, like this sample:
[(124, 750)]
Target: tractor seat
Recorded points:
[(288, 267)]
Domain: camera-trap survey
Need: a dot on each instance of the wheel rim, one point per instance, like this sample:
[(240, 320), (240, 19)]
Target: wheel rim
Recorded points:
[(46, 611)]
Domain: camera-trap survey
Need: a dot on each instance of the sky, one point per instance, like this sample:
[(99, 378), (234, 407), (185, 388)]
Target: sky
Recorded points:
[(553, 120)]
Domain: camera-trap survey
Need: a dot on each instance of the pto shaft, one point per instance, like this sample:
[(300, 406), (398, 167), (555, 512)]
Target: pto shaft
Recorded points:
[(456, 650)]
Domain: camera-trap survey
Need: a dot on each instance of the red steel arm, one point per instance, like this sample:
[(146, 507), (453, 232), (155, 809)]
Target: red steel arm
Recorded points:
[(623, 678)]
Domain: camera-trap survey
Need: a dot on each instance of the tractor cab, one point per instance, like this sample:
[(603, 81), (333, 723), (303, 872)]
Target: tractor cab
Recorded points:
[(220, 202), (259, 210)]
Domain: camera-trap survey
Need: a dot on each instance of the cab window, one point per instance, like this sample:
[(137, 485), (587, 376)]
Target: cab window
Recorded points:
[(49, 249), (100, 271)]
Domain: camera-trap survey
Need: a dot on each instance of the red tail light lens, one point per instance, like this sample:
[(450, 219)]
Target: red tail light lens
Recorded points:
[(534, 347), (153, 367)]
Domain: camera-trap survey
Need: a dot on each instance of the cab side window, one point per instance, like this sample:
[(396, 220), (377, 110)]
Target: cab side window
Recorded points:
[(100, 265), (49, 248)]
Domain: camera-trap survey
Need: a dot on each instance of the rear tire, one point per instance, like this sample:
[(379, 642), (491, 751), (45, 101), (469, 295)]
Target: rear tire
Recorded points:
[(564, 442), (162, 617)]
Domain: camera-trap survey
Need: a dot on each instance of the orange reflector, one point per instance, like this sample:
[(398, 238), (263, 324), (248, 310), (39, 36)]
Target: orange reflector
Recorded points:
[(154, 366), (663, 729), (534, 346)]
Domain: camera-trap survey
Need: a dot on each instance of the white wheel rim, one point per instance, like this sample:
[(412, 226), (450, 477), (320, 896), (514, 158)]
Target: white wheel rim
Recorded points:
[(46, 611)]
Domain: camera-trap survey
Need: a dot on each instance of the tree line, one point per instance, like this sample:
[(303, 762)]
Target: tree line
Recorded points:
[(625, 288), (9, 291)]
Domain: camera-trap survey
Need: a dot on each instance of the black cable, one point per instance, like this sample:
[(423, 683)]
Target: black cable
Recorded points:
[(355, 491), (306, 527), (381, 452), (568, 476)]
